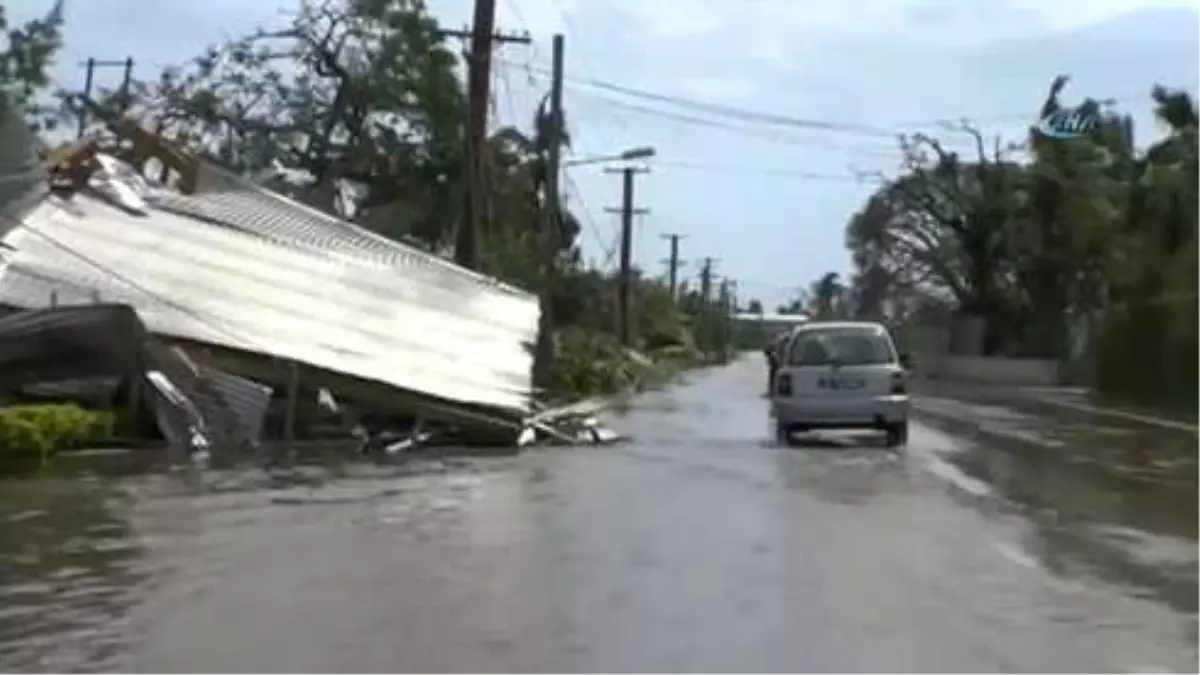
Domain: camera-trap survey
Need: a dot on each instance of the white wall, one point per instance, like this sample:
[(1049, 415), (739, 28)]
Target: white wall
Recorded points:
[(997, 370), (933, 358)]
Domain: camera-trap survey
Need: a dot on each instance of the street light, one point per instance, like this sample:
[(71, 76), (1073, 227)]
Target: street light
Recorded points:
[(641, 152)]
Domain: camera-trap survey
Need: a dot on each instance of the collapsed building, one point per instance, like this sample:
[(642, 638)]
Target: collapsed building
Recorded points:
[(250, 301)]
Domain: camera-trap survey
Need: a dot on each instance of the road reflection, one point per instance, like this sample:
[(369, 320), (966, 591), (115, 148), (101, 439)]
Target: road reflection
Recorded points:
[(1102, 496)]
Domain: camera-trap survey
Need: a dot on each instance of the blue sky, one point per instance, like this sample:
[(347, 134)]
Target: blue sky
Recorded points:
[(747, 195)]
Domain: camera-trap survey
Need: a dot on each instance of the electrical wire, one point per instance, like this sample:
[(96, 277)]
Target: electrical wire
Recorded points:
[(744, 128), (807, 175), (752, 132), (573, 190), (890, 130), (585, 61), (1027, 115), (719, 109)]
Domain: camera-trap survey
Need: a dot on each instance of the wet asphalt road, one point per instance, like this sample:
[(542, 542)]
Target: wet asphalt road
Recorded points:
[(697, 546)]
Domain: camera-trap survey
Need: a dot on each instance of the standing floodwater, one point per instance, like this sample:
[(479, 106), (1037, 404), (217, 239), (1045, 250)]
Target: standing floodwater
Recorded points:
[(699, 545)]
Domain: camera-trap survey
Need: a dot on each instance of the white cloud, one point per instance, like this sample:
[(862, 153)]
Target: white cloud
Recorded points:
[(1080, 13)]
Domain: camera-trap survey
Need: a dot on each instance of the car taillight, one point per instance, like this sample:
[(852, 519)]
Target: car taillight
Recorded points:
[(783, 385), (898, 383)]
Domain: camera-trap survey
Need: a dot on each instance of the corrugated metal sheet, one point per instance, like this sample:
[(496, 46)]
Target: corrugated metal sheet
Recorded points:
[(223, 197), (178, 417), (233, 407), (246, 399), (249, 270)]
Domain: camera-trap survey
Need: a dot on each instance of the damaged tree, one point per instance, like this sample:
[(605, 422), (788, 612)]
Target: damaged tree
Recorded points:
[(353, 108), (943, 226)]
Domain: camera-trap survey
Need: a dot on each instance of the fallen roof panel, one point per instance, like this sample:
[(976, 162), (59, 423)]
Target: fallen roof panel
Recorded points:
[(430, 328)]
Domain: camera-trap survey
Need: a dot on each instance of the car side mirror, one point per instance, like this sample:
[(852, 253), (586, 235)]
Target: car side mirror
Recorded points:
[(906, 361)]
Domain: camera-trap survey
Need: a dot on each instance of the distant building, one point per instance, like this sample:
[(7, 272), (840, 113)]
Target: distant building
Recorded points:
[(751, 331)]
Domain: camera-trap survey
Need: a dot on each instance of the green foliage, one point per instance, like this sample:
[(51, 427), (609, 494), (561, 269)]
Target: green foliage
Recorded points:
[(1088, 231), (41, 431), (591, 364), (26, 56), (587, 364)]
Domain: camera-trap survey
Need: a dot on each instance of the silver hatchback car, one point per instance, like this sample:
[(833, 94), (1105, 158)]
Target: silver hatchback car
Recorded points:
[(841, 375)]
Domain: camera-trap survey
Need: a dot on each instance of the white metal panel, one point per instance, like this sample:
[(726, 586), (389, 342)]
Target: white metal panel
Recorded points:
[(416, 327)]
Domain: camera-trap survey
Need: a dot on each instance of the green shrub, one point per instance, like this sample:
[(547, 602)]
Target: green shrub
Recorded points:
[(40, 431), (592, 364), (588, 364)]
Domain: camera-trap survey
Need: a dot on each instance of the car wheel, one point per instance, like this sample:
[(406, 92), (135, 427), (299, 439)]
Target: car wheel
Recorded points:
[(897, 434)]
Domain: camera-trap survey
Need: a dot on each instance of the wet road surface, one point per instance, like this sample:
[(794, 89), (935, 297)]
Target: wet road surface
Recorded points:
[(697, 546)]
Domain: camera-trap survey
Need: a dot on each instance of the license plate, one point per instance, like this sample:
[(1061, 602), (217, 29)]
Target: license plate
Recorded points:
[(840, 383)]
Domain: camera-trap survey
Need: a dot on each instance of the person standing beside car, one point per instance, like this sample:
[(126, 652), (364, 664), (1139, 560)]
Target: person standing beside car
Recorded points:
[(774, 352)]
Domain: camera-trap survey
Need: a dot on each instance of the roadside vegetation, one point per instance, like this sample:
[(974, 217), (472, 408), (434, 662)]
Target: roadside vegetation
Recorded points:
[(31, 435), (1081, 250)]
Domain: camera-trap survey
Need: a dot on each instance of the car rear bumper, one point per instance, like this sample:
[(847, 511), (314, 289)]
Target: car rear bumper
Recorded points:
[(864, 411)]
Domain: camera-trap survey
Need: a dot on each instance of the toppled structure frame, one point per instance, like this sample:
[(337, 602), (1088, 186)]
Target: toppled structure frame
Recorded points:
[(263, 286)]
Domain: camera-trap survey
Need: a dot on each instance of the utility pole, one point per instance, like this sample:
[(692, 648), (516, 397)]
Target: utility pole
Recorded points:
[(625, 282), (551, 223), (89, 78), (479, 72), (674, 262), (706, 279), (726, 324), (705, 336)]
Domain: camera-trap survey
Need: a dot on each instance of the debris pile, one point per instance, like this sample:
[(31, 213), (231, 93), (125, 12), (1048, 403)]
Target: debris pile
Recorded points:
[(243, 313)]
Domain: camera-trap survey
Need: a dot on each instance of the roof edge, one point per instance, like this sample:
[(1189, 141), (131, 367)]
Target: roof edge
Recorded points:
[(435, 259)]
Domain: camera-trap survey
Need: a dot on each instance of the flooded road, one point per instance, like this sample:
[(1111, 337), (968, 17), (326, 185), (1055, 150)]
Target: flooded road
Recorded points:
[(697, 546)]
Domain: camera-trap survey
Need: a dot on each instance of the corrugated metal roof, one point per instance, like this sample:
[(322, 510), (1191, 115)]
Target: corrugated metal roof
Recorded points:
[(251, 270), (224, 197)]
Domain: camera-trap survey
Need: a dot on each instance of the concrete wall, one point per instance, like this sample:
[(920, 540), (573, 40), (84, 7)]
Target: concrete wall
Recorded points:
[(933, 357), (997, 370)]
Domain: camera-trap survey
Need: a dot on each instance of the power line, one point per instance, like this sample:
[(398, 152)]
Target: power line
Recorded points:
[(581, 49), (739, 113), (809, 175), (889, 130), (1027, 115), (754, 132), (609, 248), (729, 111)]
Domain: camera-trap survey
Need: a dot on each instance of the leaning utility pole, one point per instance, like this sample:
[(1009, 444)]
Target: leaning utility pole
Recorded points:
[(551, 226), (625, 282), (673, 273), (479, 73), (89, 79)]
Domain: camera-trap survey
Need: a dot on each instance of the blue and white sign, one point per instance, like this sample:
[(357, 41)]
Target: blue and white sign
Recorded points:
[(1068, 123)]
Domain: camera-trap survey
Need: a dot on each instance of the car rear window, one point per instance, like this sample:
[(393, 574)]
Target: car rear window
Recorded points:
[(845, 346)]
